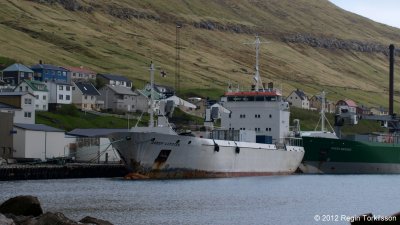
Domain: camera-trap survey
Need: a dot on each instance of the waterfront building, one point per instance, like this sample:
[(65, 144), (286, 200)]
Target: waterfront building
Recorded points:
[(39, 90)]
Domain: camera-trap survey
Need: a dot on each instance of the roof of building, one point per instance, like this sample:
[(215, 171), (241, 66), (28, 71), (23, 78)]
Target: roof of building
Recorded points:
[(58, 82), (15, 93), (146, 93), (48, 67), (87, 88), (7, 106), (34, 85), (349, 102), (37, 127), (114, 77), (79, 69), (301, 94), (121, 90), (93, 132), (18, 67)]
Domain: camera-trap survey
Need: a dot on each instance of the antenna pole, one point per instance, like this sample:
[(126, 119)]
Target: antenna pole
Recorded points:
[(323, 111), (257, 43), (177, 59), (151, 122)]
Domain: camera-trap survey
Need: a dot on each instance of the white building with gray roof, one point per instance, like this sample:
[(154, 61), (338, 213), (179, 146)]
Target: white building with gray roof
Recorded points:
[(38, 141), (122, 99)]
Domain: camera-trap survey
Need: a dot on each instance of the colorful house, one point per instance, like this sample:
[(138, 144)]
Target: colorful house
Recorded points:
[(39, 90), (116, 80), (81, 73), (47, 72), (348, 102), (14, 74), (84, 96)]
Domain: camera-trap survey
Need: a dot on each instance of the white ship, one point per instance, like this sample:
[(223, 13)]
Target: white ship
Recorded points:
[(255, 140)]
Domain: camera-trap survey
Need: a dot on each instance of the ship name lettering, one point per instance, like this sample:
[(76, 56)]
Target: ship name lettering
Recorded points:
[(341, 149), (164, 143)]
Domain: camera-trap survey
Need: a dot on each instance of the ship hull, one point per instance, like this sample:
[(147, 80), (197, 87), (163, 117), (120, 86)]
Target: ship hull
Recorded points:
[(337, 156), (164, 156)]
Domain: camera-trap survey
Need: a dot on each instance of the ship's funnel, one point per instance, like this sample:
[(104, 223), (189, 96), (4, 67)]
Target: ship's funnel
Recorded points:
[(391, 78)]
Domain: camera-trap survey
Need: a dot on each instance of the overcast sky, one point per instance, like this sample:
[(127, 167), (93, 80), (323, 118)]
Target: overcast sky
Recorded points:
[(383, 11)]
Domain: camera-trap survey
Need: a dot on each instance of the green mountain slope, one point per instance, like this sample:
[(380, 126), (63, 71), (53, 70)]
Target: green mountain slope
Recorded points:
[(313, 44)]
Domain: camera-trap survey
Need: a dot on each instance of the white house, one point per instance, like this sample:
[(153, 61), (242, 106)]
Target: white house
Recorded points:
[(85, 96), (39, 141), (39, 90), (93, 145), (59, 92), (21, 104), (115, 80), (298, 99)]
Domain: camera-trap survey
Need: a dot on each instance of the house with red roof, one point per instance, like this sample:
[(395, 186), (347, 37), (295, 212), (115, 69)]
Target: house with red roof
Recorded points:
[(81, 73), (349, 103)]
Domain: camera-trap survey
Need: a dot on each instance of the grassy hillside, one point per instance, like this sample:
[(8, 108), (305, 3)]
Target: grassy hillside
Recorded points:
[(123, 36)]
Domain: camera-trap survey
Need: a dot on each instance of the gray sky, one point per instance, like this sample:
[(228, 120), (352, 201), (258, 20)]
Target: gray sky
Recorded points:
[(383, 11)]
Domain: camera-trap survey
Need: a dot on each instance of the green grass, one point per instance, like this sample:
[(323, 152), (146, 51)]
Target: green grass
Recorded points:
[(309, 120), (83, 120)]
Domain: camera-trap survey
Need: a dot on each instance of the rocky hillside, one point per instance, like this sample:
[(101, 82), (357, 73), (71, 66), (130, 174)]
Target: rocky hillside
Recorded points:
[(313, 44)]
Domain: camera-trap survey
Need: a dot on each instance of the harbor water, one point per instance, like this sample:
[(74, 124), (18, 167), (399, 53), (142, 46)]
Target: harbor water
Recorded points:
[(295, 199)]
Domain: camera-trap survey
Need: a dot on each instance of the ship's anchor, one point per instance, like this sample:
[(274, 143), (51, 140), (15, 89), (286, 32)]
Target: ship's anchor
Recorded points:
[(216, 146)]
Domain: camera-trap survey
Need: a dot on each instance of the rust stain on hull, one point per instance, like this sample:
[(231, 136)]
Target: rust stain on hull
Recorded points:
[(195, 174)]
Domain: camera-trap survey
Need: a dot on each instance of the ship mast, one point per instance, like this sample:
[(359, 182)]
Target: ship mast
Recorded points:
[(151, 122), (257, 76)]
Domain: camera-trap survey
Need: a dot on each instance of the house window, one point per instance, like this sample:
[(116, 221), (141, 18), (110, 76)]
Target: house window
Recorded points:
[(27, 114), (37, 106), (60, 97), (67, 88), (26, 88), (64, 74), (20, 88), (84, 105), (44, 107), (28, 101), (73, 88), (44, 97), (67, 97), (60, 87), (37, 96), (85, 97), (92, 97), (59, 73)]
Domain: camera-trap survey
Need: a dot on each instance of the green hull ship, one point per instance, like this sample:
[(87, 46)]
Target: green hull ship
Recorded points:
[(361, 154), (374, 153)]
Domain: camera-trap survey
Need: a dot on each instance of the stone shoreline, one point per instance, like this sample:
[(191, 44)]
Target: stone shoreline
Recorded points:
[(26, 210)]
